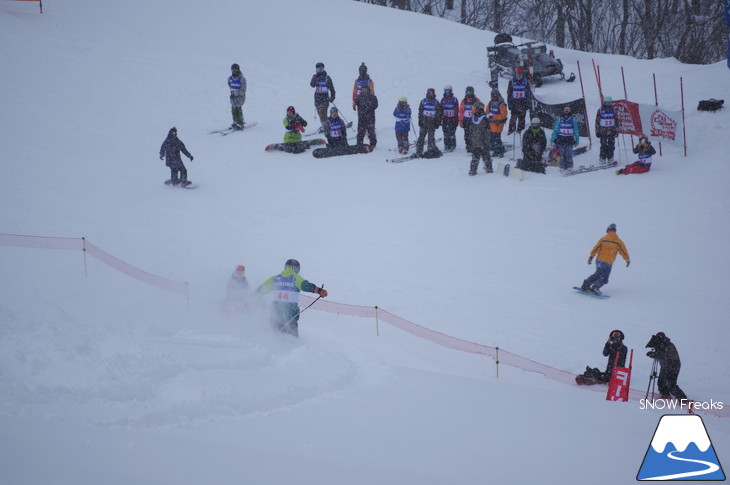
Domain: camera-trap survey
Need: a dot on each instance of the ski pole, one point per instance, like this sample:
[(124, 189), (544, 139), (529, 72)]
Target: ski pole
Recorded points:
[(302, 311), (340, 112)]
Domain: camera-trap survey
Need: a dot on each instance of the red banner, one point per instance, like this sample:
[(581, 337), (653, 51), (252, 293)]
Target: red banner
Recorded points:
[(618, 387)]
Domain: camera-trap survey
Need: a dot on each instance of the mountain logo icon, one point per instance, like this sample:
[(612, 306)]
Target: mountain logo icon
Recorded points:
[(681, 450)]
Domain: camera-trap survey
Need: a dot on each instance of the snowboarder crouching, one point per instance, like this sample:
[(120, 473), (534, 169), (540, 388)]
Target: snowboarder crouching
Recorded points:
[(534, 143), (170, 152), (294, 125), (605, 252), (645, 151), (614, 346), (287, 285)]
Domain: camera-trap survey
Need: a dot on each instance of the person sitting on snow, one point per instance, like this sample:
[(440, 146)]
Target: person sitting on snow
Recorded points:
[(645, 151), (614, 346)]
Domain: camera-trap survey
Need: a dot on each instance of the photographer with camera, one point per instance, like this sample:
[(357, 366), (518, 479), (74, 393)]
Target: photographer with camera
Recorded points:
[(614, 346), (664, 352)]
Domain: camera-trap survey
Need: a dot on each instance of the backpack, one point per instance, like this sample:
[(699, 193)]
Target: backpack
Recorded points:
[(710, 104)]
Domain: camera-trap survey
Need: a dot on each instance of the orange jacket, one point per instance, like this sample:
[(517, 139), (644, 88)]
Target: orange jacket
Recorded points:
[(607, 247), (497, 121)]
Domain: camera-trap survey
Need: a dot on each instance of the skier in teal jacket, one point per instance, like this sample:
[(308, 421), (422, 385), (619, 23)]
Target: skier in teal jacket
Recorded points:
[(287, 285)]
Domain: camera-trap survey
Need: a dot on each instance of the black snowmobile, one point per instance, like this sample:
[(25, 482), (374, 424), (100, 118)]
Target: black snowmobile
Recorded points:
[(504, 57)]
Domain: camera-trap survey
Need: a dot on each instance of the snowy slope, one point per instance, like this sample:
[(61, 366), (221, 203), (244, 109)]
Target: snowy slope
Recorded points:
[(106, 378)]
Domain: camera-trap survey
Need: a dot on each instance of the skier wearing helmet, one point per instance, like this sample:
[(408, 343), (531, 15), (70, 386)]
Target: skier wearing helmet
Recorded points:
[(324, 91), (465, 113), (363, 80), (237, 85), (286, 287), (518, 101), (479, 138), (429, 120), (565, 136), (449, 118), (498, 117)]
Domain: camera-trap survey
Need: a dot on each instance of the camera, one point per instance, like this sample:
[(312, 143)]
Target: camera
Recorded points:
[(655, 341)]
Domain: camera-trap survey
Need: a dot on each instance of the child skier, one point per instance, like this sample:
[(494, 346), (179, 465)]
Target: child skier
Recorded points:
[(402, 114)]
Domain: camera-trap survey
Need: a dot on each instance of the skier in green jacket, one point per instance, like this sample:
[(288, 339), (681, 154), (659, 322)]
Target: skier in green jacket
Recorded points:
[(287, 285)]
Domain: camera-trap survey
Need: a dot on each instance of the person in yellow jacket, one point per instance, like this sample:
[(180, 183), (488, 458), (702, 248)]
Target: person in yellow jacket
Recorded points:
[(605, 252)]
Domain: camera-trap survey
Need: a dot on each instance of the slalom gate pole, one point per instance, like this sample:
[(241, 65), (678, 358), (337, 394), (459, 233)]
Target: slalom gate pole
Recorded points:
[(684, 130), (626, 97), (656, 103), (514, 144)]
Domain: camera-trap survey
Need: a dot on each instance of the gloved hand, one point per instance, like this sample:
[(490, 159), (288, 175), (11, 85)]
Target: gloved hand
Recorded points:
[(651, 354), (162, 157), (590, 260), (332, 98), (191, 158), (628, 263), (321, 291), (353, 107)]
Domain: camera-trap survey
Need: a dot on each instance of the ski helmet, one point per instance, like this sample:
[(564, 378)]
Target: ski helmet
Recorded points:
[(616, 335), (518, 70), (320, 66), (611, 227), (235, 67), (495, 93), (291, 108), (535, 121), (567, 110), (241, 269), (470, 90), (293, 264), (363, 69), (333, 110), (430, 92), (403, 100), (448, 89), (607, 100)]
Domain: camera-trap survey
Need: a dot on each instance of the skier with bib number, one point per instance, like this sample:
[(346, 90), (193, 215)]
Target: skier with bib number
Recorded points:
[(286, 287)]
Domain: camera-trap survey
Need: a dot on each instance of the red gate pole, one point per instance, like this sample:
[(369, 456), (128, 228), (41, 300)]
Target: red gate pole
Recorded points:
[(656, 103), (626, 97), (684, 130)]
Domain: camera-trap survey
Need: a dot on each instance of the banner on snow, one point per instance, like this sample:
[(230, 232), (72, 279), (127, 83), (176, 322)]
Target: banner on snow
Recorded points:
[(549, 113), (652, 121)]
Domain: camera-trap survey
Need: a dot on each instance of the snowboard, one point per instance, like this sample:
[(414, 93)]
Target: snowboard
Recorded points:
[(582, 380), (589, 168), (168, 182), (342, 150), (602, 296), (229, 130), (554, 154), (306, 143), (412, 156), (508, 171)]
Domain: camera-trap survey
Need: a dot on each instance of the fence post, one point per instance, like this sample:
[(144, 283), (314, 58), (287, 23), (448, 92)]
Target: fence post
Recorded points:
[(377, 327), (83, 249), (497, 362)]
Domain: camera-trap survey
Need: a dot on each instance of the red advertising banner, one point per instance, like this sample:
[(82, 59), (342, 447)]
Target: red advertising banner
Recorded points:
[(629, 117), (618, 386), (646, 119)]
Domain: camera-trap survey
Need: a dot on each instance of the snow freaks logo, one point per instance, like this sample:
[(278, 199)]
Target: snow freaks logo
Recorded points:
[(681, 450)]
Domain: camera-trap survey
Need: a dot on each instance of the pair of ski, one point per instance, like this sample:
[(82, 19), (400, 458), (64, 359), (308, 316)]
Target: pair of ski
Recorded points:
[(229, 130), (589, 168)]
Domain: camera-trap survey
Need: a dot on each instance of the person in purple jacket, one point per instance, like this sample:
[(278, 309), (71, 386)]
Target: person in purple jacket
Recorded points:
[(170, 152), (402, 113)]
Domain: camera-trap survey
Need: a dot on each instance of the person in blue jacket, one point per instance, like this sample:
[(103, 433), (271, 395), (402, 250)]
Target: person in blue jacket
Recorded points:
[(170, 152), (402, 114), (287, 285), (237, 85), (565, 137)]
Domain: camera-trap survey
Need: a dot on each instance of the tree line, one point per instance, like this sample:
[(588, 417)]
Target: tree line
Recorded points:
[(692, 31)]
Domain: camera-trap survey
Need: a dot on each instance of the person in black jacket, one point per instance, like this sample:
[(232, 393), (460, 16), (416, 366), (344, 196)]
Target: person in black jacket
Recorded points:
[(170, 152), (614, 346), (534, 143), (366, 104), (324, 91), (665, 352)]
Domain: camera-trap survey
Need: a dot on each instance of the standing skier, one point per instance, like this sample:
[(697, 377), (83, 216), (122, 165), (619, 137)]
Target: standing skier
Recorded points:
[(449, 118), (402, 114), (518, 101), (170, 152), (429, 120), (324, 91), (465, 114), (607, 126), (362, 80), (479, 138), (366, 104), (287, 285), (605, 252), (565, 136), (498, 116), (237, 85)]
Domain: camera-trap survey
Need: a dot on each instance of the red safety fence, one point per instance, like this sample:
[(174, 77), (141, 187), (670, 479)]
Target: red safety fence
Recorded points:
[(81, 244), (500, 356)]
